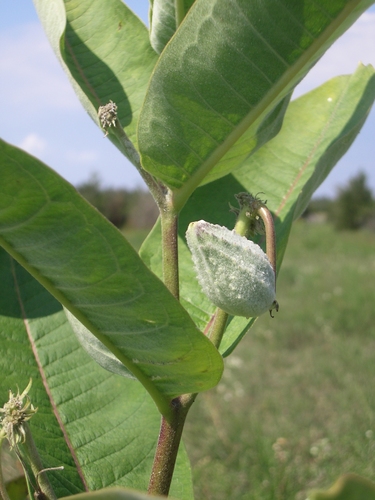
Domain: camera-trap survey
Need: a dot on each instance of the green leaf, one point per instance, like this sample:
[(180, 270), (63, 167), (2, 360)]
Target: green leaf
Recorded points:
[(96, 349), (347, 487), (86, 263), (113, 494), (164, 16), (17, 488), (318, 129), (106, 52), (101, 427), (216, 94)]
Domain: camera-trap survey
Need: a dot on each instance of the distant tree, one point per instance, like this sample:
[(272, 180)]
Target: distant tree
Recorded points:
[(144, 212), (92, 191), (321, 205), (353, 205), (115, 204)]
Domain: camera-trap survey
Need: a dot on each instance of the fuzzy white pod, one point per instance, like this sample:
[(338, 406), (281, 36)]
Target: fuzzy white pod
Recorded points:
[(233, 271)]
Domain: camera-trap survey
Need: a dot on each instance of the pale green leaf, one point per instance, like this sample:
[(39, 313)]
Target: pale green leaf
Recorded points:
[(213, 97), (101, 427), (105, 49), (347, 487), (96, 349), (318, 129), (86, 263), (113, 494)]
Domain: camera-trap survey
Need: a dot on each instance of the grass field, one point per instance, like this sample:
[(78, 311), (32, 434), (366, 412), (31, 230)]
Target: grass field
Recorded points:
[(296, 406)]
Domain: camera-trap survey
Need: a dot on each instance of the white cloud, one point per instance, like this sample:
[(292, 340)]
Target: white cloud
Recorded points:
[(85, 157), (32, 77), (33, 144), (37, 96), (355, 46)]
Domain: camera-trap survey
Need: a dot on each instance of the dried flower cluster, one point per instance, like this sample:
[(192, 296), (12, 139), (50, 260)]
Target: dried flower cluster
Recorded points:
[(16, 413), (108, 115)]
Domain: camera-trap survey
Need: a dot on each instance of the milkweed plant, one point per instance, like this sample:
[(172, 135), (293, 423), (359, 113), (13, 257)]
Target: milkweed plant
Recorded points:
[(119, 344)]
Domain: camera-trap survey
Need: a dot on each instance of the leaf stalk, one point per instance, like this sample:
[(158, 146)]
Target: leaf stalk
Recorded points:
[(216, 332), (156, 188), (269, 225), (32, 454), (109, 121)]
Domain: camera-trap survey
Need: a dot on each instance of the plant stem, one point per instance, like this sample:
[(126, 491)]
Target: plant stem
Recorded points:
[(267, 218), (250, 208), (216, 332), (170, 429), (168, 444), (33, 457), (156, 189), (169, 227)]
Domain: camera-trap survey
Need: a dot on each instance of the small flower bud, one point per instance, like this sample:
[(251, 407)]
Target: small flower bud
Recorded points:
[(16, 414), (107, 115), (233, 271)]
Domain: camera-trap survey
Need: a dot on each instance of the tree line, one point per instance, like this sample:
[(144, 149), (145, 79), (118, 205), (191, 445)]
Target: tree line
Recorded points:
[(353, 208), (125, 208)]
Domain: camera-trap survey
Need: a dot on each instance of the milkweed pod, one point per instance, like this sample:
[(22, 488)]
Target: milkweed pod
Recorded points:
[(233, 271)]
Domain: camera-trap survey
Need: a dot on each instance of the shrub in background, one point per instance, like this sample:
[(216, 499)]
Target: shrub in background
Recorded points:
[(354, 205)]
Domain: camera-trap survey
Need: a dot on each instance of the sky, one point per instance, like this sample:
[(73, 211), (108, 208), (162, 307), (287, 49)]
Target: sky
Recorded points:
[(42, 115)]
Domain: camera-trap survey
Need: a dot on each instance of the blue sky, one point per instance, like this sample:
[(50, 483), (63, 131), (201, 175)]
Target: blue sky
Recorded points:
[(41, 113)]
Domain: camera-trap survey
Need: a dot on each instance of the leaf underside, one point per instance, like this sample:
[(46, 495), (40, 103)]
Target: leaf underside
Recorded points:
[(220, 87), (105, 50), (86, 263), (101, 427)]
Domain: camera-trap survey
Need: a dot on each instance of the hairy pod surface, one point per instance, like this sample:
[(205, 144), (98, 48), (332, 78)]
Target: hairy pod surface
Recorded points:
[(233, 271)]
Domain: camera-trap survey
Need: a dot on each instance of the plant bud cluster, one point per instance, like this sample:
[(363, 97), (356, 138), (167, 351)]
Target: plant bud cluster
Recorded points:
[(233, 271)]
